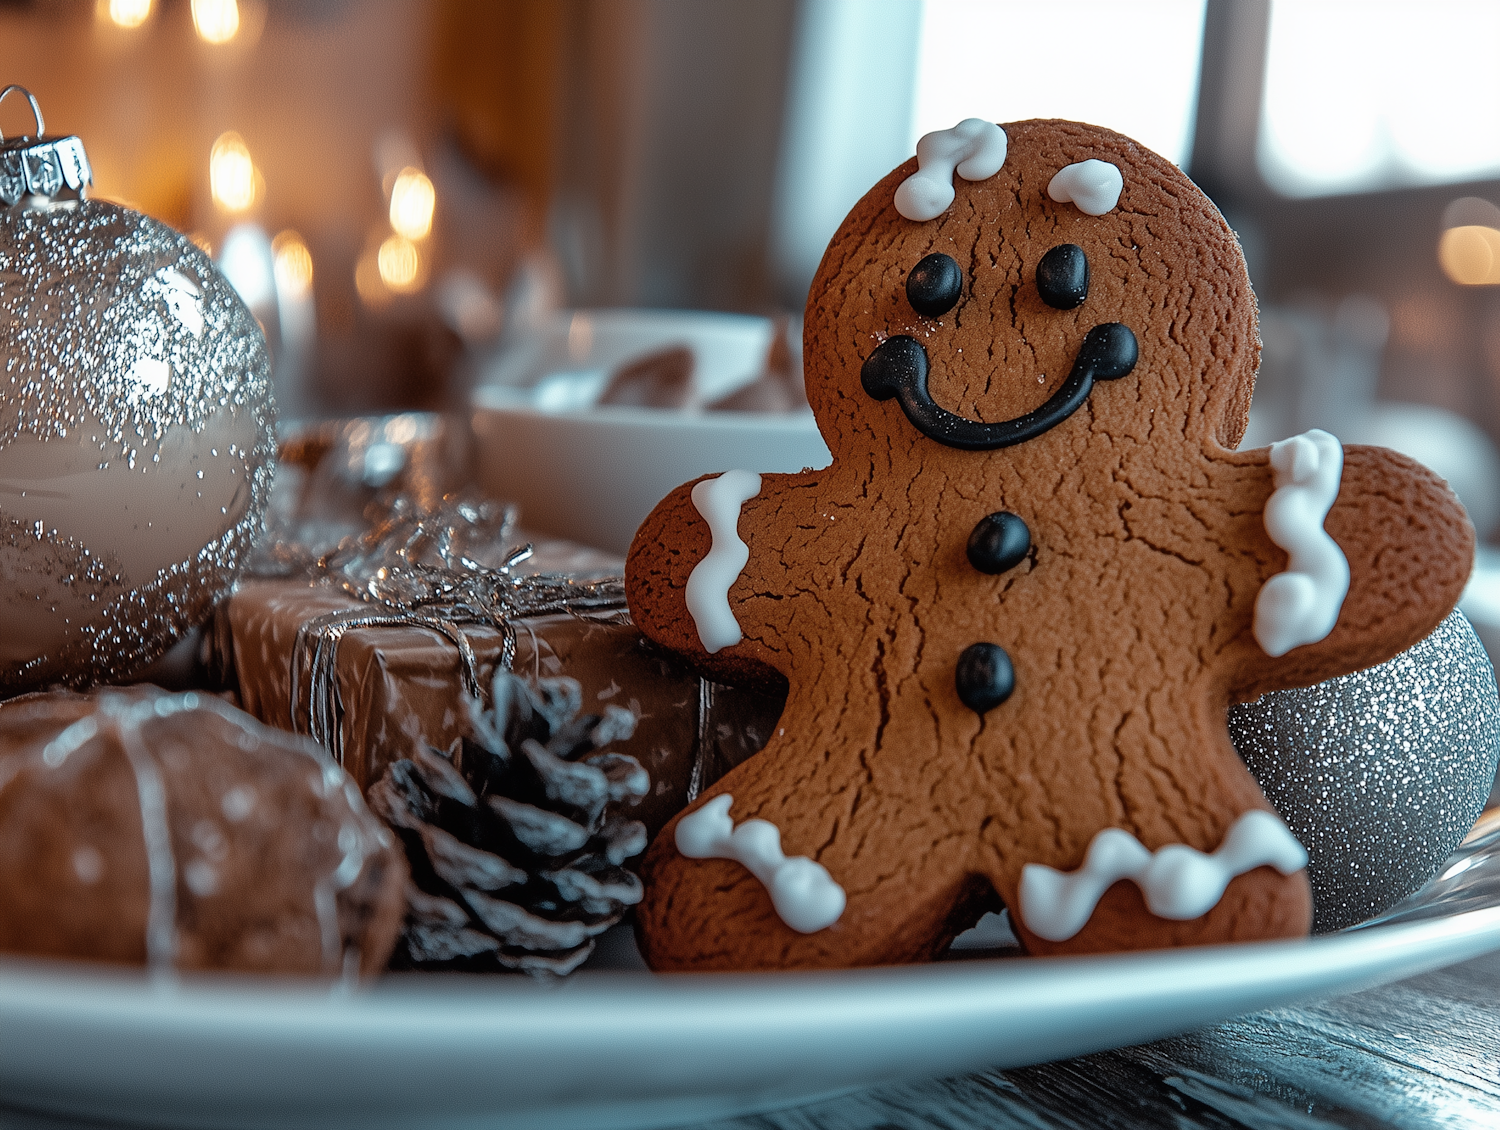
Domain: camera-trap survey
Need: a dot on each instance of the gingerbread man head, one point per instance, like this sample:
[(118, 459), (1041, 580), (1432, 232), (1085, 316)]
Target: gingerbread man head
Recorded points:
[(1012, 612)]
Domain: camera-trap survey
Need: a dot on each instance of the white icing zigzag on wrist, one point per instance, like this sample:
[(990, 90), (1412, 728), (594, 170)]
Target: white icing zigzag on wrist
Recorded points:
[(719, 501), (1179, 882), (1301, 605), (802, 891), (974, 149)]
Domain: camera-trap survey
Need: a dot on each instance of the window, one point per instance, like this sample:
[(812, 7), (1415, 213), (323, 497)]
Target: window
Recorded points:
[(1129, 67), (1379, 94)]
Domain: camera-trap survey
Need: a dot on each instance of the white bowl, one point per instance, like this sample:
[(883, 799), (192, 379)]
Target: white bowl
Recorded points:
[(593, 474)]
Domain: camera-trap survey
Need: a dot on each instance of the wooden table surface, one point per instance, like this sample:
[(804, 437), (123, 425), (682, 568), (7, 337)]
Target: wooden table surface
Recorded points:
[(1419, 1053)]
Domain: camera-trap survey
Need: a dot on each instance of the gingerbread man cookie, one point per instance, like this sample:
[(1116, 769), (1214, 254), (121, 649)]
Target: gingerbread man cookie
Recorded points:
[(1012, 613)]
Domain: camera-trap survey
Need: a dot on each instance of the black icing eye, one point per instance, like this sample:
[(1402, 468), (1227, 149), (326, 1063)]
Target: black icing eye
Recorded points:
[(934, 285), (1062, 277)]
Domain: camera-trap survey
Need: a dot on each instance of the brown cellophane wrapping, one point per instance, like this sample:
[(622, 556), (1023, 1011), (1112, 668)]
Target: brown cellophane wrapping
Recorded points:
[(399, 686)]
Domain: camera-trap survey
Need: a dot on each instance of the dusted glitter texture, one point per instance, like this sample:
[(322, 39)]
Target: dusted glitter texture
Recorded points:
[(136, 441), (1379, 774)]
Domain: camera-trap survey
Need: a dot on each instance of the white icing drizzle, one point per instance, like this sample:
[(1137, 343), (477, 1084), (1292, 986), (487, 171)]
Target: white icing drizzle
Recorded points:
[(1094, 186), (802, 891), (1179, 882), (719, 501), (161, 864), (1301, 605), (974, 149)]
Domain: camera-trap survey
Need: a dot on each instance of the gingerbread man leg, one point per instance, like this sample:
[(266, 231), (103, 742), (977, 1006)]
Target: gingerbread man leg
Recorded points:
[(891, 878)]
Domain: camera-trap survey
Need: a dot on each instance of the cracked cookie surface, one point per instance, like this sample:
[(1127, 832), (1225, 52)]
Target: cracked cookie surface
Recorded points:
[(1127, 620)]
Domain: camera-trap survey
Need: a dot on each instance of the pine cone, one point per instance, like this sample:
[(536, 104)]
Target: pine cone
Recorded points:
[(514, 842)]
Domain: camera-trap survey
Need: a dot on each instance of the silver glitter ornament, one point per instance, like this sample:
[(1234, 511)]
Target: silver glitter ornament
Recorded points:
[(1381, 773), (136, 439)]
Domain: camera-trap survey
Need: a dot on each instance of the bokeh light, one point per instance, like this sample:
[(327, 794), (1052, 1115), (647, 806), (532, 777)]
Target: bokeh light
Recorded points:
[(412, 203), (1470, 255), (1467, 210), (367, 281), (129, 13), (231, 173), (294, 264), (400, 264), (249, 264), (216, 21)]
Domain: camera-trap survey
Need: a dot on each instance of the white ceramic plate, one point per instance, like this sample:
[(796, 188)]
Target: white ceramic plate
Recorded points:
[(628, 1049)]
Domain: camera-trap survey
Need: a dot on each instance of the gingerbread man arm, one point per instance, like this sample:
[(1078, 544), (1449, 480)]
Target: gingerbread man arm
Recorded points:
[(670, 544), (1409, 547)]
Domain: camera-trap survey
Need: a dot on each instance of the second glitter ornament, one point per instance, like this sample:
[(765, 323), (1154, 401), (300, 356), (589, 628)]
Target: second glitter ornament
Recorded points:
[(1381, 773)]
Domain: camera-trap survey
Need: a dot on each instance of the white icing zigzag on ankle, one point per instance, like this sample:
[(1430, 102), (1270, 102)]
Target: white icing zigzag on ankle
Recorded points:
[(1179, 882)]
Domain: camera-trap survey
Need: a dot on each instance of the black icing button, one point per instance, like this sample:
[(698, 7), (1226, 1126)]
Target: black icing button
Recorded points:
[(934, 285), (984, 677), (999, 542), (1062, 277)]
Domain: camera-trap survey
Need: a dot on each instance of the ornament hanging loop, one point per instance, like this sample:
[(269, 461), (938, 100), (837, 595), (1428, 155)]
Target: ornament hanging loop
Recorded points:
[(41, 172), (36, 109)]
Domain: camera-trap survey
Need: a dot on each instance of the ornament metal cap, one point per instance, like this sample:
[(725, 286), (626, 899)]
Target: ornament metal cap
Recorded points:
[(38, 171)]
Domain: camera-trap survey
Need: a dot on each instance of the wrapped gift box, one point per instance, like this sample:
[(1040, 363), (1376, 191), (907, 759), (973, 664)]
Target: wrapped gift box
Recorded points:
[(393, 686)]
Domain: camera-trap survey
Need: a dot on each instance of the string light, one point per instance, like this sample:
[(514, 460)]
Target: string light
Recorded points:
[(412, 202), (231, 173), (216, 21), (294, 265)]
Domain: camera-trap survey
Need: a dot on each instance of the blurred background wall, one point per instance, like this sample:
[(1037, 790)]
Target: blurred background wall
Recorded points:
[(695, 153)]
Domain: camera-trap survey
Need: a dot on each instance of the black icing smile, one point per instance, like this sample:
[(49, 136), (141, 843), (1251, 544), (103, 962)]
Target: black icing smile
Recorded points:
[(898, 367)]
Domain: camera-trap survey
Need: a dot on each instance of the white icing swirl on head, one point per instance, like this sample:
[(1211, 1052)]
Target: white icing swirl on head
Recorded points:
[(1301, 605), (1094, 186), (801, 890), (974, 149), (1179, 882), (719, 501)]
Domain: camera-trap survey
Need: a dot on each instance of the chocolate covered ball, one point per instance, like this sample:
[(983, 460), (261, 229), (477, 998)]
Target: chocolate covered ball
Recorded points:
[(176, 832)]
